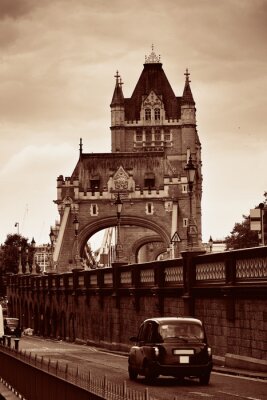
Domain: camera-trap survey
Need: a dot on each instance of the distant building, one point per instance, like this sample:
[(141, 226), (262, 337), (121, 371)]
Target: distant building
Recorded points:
[(215, 246), (43, 257)]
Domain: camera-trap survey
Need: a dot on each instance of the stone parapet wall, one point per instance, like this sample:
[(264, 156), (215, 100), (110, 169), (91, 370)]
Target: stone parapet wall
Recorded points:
[(106, 306)]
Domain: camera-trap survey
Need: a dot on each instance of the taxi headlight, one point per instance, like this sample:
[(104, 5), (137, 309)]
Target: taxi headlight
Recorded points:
[(209, 351)]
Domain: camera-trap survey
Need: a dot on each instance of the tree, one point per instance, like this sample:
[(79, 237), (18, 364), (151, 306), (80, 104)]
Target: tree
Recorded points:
[(9, 257), (242, 236), (10, 254)]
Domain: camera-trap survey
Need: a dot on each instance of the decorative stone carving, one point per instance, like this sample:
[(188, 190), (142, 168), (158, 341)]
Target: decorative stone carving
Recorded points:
[(121, 181)]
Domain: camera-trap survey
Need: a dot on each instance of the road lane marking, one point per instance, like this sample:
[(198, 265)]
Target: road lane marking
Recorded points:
[(246, 378), (58, 349), (240, 396), (200, 394)]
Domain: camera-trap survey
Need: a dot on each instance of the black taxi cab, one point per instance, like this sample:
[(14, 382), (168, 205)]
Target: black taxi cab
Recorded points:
[(173, 346), (12, 327)]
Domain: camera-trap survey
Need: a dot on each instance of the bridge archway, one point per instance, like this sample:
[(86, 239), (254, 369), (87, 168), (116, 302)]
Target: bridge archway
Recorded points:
[(161, 234), (149, 240)]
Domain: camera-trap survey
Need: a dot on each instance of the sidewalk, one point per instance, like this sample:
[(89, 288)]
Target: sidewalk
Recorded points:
[(240, 372), (220, 365)]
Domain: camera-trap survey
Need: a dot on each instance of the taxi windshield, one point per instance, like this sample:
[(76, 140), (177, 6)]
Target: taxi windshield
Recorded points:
[(14, 322), (187, 330)]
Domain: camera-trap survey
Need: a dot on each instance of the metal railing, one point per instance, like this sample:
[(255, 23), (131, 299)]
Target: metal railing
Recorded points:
[(33, 377), (247, 265)]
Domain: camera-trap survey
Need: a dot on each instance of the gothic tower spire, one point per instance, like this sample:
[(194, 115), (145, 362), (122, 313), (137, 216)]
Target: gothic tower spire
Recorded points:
[(118, 98), (187, 95), (117, 115), (188, 110)]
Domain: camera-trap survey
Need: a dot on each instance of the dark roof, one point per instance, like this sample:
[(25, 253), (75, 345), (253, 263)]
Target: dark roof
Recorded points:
[(187, 94), (117, 98), (153, 78)]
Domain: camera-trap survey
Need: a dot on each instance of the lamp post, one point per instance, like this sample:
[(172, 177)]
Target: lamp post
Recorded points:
[(27, 266), (52, 240), (210, 244), (261, 235), (119, 205), (192, 228), (76, 228), (20, 265), (33, 257)]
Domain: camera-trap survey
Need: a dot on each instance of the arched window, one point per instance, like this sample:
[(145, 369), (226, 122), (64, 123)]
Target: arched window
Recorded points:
[(147, 114), (157, 113)]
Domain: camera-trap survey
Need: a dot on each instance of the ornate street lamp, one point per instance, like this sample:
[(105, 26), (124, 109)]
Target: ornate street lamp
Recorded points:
[(210, 244), (33, 243), (119, 205), (52, 240), (27, 266), (261, 233), (46, 258), (192, 228), (76, 229), (20, 264)]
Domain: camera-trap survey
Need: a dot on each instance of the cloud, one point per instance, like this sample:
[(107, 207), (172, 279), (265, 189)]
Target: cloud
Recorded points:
[(15, 8)]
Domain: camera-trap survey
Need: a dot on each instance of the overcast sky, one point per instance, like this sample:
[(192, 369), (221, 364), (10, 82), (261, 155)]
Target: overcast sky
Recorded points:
[(58, 59)]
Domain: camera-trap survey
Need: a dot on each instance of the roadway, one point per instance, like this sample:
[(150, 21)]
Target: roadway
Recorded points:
[(222, 386)]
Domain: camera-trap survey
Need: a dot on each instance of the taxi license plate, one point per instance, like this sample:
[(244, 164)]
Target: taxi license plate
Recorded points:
[(184, 359)]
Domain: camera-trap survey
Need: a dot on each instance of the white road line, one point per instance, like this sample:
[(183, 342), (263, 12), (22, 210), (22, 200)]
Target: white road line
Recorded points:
[(237, 395), (253, 398), (246, 378)]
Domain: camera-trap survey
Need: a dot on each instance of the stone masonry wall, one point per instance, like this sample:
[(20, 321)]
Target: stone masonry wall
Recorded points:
[(245, 335), (113, 325)]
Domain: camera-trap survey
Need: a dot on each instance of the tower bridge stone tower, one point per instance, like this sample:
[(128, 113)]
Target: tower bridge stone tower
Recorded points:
[(153, 135)]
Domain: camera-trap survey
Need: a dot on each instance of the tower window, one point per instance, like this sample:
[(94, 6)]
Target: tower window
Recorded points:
[(157, 113), (185, 222), (149, 208), (93, 209), (148, 136), (185, 188), (94, 183), (157, 134), (139, 137), (149, 180), (147, 114), (167, 135)]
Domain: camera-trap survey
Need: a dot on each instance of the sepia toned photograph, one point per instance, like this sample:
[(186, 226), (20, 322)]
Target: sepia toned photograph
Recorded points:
[(133, 148)]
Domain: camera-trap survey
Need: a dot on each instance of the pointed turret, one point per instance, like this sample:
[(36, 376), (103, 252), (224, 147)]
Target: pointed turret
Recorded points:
[(118, 98), (188, 110), (187, 95), (117, 103), (117, 116)]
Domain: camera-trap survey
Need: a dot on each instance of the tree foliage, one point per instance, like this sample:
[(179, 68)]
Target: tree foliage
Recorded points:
[(10, 254), (242, 236)]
